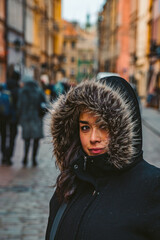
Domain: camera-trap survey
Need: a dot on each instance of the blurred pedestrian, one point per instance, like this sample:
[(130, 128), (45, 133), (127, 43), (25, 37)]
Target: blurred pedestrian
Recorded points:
[(59, 88), (105, 189), (13, 87), (31, 99), (5, 111)]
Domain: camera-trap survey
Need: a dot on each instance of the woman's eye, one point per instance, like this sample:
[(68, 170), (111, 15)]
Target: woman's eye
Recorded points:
[(102, 127), (84, 128)]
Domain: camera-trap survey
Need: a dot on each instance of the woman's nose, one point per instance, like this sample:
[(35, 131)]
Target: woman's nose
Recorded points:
[(95, 136)]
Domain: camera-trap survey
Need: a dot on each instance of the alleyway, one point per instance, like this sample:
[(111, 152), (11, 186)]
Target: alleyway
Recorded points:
[(25, 192)]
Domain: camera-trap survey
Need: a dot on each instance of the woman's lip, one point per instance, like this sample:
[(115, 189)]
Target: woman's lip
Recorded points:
[(96, 150)]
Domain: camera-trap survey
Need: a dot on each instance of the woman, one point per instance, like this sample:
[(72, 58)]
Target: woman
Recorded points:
[(109, 190), (30, 98)]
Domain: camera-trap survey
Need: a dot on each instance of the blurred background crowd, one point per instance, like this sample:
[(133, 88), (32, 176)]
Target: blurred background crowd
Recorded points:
[(125, 39), (37, 44), (23, 101)]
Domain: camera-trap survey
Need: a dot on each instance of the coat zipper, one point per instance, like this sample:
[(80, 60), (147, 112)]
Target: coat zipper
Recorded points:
[(85, 163)]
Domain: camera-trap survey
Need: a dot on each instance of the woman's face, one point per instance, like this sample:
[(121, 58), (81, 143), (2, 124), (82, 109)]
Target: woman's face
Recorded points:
[(94, 138)]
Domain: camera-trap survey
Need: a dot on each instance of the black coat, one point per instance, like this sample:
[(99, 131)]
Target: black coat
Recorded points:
[(122, 205), (28, 110), (118, 193)]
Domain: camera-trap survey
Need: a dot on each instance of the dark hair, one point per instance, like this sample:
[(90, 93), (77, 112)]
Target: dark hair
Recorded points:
[(66, 183)]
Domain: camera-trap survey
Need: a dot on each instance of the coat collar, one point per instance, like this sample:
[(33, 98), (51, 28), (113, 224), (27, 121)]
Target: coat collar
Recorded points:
[(97, 169)]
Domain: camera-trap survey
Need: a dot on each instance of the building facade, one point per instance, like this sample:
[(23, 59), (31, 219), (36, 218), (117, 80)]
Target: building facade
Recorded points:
[(3, 52), (141, 47), (86, 51), (122, 64), (153, 81), (133, 40), (30, 37), (129, 43), (113, 28), (15, 33), (70, 38), (107, 44), (39, 28), (103, 44), (32, 34)]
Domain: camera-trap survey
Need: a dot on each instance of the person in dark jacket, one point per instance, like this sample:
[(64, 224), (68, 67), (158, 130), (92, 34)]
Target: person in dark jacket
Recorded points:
[(31, 97), (3, 123), (13, 87), (8, 120), (110, 191)]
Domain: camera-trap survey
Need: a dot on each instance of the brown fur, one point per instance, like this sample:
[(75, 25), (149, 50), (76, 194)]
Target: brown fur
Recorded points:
[(116, 114)]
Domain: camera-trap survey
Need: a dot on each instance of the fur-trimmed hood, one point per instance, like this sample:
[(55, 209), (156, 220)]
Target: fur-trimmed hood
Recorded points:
[(114, 101)]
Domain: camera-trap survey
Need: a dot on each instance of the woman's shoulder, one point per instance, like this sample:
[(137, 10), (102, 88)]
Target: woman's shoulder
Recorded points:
[(144, 172), (150, 168), (149, 173)]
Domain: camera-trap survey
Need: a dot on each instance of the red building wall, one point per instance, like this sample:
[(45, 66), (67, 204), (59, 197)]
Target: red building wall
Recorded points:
[(123, 38), (2, 42)]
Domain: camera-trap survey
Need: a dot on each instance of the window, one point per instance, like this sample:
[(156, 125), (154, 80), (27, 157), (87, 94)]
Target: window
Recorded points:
[(72, 72), (84, 70), (65, 59), (72, 59), (64, 44), (73, 44)]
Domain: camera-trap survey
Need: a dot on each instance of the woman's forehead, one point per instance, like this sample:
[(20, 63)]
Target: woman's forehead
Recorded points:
[(90, 117)]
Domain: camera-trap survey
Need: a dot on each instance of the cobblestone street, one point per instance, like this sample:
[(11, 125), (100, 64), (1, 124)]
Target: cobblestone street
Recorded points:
[(25, 192)]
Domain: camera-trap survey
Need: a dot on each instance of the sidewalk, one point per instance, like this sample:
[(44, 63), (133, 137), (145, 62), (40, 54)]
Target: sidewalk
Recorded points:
[(25, 193), (151, 119)]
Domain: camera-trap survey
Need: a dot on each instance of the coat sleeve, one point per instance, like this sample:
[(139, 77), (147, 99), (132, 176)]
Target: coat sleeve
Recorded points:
[(19, 105), (53, 208), (154, 229)]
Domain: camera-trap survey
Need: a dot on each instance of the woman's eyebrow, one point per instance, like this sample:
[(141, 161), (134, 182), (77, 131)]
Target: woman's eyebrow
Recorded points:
[(84, 122)]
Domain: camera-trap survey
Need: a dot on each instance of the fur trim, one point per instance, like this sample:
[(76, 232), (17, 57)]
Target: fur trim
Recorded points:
[(117, 114)]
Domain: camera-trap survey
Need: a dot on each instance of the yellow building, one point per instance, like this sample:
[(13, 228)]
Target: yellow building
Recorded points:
[(57, 41), (70, 51), (36, 34), (43, 35), (57, 27)]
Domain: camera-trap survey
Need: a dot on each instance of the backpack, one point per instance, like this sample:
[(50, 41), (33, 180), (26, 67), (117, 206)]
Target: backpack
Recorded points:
[(5, 103)]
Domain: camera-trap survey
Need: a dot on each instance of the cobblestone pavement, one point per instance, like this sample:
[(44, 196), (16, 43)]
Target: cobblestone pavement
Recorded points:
[(25, 192), (25, 195), (151, 146)]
